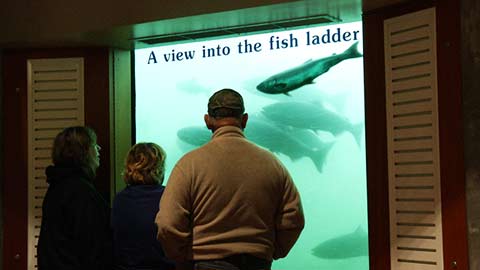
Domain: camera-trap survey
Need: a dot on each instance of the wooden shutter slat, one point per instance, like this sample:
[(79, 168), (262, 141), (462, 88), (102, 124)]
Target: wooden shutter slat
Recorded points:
[(55, 101), (412, 142)]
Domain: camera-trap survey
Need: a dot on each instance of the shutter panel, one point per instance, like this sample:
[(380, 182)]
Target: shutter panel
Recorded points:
[(412, 134), (55, 101)]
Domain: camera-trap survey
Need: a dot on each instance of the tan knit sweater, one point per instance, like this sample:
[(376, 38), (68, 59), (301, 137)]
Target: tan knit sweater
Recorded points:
[(228, 197)]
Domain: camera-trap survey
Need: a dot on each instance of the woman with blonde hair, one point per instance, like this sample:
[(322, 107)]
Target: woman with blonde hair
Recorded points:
[(134, 210)]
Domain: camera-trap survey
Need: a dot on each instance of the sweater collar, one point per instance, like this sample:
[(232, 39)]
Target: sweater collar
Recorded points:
[(228, 131)]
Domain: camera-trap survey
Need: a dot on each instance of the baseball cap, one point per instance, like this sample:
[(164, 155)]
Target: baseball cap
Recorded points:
[(226, 98)]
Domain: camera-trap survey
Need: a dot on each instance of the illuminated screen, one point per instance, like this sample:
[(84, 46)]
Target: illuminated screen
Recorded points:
[(303, 91)]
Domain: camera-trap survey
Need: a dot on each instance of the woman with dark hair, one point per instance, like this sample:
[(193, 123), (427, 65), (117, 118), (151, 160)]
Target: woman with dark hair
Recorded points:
[(75, 231), (134, 210)]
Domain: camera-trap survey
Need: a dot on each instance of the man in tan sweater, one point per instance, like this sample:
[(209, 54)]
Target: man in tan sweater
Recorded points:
[(229, 204)]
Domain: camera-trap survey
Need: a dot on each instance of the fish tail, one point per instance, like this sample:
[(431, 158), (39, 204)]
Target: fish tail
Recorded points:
[(352, 51), (357, 132), (319, 156)]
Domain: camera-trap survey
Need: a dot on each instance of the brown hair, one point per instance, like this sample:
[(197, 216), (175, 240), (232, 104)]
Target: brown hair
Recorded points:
[(71, 147), (145, 164)]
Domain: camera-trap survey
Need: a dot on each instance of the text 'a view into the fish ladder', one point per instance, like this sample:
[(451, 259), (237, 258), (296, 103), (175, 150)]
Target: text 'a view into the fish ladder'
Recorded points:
[(246, 46)]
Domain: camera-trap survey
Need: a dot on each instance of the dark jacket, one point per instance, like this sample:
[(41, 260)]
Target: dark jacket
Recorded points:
[(134, 230), (75, 231)]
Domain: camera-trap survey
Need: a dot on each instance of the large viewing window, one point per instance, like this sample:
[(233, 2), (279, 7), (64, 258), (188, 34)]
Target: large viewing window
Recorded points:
[(303, 90)]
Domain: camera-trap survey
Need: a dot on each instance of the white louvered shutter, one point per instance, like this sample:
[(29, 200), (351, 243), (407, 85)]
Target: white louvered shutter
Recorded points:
[(413, 151), (55, 101)]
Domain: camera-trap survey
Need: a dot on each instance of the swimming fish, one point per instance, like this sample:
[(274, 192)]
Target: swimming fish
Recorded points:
[(296, 77), (311, 116), (294, 143), (195, 135), (350, 245)]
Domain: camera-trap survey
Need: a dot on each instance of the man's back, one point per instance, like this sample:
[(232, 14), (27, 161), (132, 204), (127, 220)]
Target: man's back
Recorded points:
[(229, 202), (237, 194)]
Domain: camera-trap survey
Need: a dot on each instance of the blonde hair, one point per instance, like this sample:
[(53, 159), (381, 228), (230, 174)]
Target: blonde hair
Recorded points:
[(145, 164)]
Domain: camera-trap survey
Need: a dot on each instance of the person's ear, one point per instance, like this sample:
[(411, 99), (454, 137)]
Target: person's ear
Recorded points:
[(208, 121), (244, 120)]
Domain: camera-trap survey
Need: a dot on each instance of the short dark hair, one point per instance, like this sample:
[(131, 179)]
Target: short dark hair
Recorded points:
[(145, 164), (71, 147)]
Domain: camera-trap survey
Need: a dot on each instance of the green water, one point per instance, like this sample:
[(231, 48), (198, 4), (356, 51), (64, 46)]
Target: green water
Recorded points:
[(172, 95)]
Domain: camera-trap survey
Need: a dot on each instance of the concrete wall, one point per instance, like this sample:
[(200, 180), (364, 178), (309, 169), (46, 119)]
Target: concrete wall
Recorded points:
[(471, 112)]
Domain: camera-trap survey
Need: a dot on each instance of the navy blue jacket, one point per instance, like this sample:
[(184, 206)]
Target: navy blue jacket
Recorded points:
[(134, 230)]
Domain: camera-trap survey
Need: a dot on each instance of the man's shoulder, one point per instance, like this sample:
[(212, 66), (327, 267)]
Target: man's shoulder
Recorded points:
[(193, 153), (261, 150)]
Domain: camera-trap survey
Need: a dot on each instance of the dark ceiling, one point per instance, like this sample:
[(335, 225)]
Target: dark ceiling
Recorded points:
[(235, 22), (132, 25)]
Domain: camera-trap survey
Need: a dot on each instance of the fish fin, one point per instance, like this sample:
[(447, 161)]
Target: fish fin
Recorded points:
[(357, 131), (319, 156), (308, 61), (286, 94), (352, 51), (359, 230), (314, 130), (309, 81)]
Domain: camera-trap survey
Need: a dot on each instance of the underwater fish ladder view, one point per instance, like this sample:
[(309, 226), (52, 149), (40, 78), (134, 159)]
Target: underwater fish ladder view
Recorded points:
[(304, 93)]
